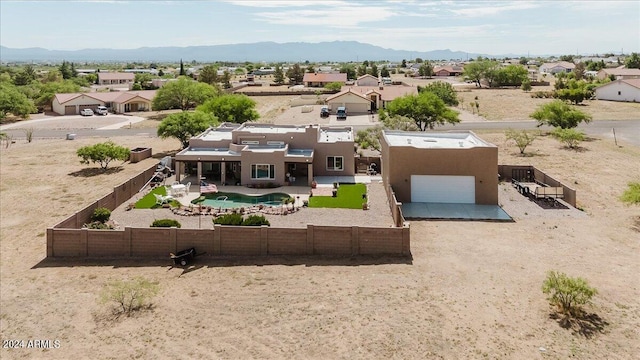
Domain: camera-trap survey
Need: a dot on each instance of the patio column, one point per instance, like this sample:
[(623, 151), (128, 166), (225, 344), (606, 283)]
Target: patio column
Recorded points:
[(177, 169), (223, 173), (199, 171), (309, 174)]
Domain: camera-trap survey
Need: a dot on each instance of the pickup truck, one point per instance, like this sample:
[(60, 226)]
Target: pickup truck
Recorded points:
[(341, 113)]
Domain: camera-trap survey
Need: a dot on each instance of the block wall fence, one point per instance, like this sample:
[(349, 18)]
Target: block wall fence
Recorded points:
[(505, 172), (69, 239)]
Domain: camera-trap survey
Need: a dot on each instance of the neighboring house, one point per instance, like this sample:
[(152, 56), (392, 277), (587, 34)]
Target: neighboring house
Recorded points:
[(440, 167), (619, 73), (117, 102), (261, 154), (115, 78), (353, 101), (447, 70), (322, 79), (557, 67), (620, 90), (367, 80), (380, 96)]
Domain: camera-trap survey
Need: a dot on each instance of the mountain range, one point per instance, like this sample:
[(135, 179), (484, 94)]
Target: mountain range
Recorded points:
[(338, 51)]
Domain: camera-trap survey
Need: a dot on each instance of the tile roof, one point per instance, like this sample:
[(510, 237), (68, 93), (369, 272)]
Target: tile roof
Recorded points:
[(324, 77), (349, 90), (387, 92), (112, 96), (621, 72)]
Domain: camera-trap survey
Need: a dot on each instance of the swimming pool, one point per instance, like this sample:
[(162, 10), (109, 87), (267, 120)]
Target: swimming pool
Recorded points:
[(227, 200)]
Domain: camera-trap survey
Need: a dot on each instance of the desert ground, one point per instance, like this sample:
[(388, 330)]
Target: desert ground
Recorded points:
[(471, 290)]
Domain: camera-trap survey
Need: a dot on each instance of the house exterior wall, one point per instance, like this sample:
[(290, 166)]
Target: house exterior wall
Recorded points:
[(79, 102), (323, 150), (354, 103), (400, 162), (367, 81), (618, 91)]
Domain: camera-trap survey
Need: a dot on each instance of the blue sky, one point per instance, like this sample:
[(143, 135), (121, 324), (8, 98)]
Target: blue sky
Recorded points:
[(490, 27)]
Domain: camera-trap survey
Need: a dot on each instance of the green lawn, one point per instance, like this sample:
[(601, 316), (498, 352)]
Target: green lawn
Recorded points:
[(149, 200), (349, 197)]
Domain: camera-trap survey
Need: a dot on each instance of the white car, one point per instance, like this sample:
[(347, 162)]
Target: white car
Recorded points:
[(86, 112), (101, 110)]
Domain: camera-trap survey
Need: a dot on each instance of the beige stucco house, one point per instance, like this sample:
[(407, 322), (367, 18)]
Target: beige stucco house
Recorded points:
[(260, 154), (322, 79), (619, 73), (116, 78), (557, 67), (381, 95), (355, 102), (440, 167), (367, 80), (117, 102)]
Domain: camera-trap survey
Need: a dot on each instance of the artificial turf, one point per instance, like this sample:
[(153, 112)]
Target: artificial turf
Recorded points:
[(349, 197), (149, 201)]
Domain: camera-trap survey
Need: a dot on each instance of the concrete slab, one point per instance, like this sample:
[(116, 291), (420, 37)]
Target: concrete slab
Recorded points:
[(442, 211)]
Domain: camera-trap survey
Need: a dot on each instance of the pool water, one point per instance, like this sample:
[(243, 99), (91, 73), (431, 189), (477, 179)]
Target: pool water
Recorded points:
[(226, 200)]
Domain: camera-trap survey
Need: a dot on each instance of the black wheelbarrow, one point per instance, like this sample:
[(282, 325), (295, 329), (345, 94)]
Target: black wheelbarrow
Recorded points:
[(183, 257)]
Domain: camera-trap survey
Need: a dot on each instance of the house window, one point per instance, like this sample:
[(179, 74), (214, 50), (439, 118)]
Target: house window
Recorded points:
[(250, 142), (263, 171), (334, 163)]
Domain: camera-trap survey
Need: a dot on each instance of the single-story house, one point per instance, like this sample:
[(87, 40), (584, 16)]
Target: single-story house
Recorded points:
[(557, 67), (322, 79), (354, 101), (115, 78), (620, 90), (262, 154), (367, 80), (447, 70), (619, 73), (440, 167), (117, 102), (380, 96)]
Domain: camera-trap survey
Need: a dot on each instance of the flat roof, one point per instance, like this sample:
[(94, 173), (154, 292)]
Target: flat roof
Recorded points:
[(435, 140), (207, 151), (335, 134), (271, 129), (216, 134)]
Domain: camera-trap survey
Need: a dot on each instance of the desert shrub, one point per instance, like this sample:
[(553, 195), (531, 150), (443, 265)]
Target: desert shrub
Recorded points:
[(522, 138), (97, 225), (229, 219), (567, 293), (570, 137), (29, 134), (255, 220), (101, 214), (632, 194), (166, 223), (131, 295)]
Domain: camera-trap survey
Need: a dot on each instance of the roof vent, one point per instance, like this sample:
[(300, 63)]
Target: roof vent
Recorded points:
[(408, 141)]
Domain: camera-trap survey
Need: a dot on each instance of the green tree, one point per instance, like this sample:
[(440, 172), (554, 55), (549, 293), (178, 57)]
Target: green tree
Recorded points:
[(443, 90), (579, 70), (143, 78), (362, 70), (404, 63), (566, 293), (369, 138), (559, 114), (335, 86), (278, 75), (426, 109), (425, 69), (384, 72), (65, 70), (129, 296), (349, 70), (374, 70), (12, 101), (226, 79), (235, 108), (477, 70), (511, 75), (183, 94), (182, 72), (103, 154), (25, 76), (49, 90), (633, 61), (311, 69), (570, 137), (522, 138), (526, 85), (184, 125), (295, 74)]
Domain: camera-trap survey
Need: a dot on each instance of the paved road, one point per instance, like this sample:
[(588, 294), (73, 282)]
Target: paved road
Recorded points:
[(626, 130)]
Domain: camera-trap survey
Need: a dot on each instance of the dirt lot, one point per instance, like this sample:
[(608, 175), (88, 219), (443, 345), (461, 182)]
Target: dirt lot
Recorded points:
[(471, 290)]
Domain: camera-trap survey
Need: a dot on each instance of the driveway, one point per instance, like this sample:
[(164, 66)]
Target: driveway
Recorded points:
[(74, 122)]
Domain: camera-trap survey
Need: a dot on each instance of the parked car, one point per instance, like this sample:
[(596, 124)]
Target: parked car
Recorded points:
[(324, 111), (86, 112), (101, 110), (341, 113)]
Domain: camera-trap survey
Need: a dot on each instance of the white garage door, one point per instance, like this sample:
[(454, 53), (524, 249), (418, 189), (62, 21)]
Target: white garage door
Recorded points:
[(443, 189)]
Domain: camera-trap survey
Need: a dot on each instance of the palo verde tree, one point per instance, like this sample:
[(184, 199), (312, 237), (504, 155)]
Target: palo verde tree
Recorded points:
[(183, 126), (103, 154), (443, 90), (235, 108), (183, 94), (522, 138), (559, 114), (426, 109)]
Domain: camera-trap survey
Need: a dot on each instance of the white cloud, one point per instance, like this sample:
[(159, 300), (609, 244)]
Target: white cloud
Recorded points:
[(487, 9), (337, 17), (284, 3)]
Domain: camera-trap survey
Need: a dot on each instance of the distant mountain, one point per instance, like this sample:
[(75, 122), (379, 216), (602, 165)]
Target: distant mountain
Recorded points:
[(341, 51)]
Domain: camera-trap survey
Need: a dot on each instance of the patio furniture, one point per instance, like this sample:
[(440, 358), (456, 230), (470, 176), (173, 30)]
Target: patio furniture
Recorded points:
[(160, 199), (206, 188), (178, 189)]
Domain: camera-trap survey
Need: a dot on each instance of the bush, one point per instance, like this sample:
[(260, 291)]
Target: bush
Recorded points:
[(229, 219), (131, 295), (255, 220), (101, 215), (166, 223), (102, 153), (97, 225), (521, 138), (567, 293), (632, 194), (569, 137)]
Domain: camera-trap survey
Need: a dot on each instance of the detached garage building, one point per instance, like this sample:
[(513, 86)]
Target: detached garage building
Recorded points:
[(620, 90), (440, 167)]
